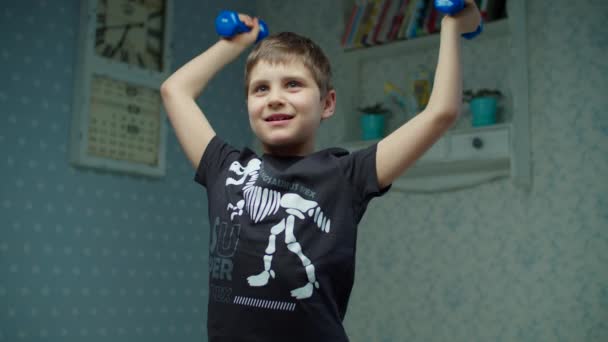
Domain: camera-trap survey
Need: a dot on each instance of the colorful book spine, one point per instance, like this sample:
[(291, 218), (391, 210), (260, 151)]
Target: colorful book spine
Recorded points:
[(391, 12), (355, 26), (400, 19), (366, 39), (483, 8), (431, 22), (412, 28), (381, 21), (407, 20), (422, 15), (363, 25), (349, 25)]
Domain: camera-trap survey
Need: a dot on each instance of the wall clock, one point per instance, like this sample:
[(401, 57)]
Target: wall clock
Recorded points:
[(118, 122)]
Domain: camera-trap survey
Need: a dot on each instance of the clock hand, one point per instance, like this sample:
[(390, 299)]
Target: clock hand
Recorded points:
[(124, 36), (122, 40)]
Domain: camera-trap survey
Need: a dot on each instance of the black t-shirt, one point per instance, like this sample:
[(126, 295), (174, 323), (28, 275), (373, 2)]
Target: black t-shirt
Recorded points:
[(282, 241)]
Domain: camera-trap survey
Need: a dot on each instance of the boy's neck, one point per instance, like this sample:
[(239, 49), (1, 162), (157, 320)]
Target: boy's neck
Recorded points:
[(289, 151)]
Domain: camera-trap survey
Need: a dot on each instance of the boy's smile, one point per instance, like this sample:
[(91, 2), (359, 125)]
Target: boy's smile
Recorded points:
[(279, 118), (285, 107)]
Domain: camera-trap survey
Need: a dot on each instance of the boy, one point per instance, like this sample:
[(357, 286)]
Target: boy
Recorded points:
[(283, 236)]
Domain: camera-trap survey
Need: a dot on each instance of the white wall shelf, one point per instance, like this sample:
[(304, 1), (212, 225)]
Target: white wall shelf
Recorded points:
[(452, 163), (461, 158)]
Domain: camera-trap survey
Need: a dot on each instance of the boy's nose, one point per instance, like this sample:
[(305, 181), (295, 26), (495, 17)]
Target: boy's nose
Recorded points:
[(275, 99), (275, 104)]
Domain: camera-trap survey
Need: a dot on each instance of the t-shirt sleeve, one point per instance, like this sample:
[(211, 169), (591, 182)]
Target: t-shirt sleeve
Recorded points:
[(360, 169), (217, 154)]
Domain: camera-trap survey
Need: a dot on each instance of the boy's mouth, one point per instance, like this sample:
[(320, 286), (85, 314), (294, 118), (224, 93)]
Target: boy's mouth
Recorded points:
[(278, 117)]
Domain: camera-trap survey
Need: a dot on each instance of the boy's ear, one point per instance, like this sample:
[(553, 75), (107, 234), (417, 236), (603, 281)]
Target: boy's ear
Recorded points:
[(329, 104)]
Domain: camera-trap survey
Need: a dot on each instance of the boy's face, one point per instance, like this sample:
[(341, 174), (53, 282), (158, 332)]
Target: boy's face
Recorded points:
[(285, 107)]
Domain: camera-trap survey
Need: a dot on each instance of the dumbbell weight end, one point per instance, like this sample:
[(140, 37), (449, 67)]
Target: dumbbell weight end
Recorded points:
[(228, 24), (451, 7)]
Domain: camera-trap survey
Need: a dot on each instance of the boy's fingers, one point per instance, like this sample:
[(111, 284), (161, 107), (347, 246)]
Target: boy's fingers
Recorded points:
[(254, 26), (245, 19)]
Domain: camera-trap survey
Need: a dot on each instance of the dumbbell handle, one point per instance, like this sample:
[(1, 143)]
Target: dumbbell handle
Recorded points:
[(451, 7), (228, 24)]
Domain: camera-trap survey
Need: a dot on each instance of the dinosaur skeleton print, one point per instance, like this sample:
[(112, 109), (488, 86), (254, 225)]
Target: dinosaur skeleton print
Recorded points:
[(260, 202)]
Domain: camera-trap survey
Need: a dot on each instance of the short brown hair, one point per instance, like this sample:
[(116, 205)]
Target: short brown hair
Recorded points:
[(288, 46)]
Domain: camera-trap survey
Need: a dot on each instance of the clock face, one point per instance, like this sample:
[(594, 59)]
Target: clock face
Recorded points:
[(131, 32), (124, 121)]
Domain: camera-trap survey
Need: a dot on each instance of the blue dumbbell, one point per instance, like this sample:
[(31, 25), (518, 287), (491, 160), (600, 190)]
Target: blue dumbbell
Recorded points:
[(228, 24), (451, 7)]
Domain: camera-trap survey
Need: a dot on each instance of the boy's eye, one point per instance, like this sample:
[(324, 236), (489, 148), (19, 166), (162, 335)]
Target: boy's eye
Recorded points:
[(260, 89), (291, 84)]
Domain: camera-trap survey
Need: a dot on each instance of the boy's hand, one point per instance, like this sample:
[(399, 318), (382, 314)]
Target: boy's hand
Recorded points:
[(466, 20), (246, 39)]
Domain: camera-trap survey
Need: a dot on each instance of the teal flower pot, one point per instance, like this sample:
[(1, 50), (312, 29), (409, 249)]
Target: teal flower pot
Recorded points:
[(372, 126), (483, 110)]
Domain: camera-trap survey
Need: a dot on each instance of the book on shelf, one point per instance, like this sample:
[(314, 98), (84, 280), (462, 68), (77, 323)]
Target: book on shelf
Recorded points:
[(432, 22), (353, 23), (374, 17), (494, 9), (362, 25), (421, 24), (491, 9), (382, 30), (397, 21), (380, 21), (416, 16), (349, 24)]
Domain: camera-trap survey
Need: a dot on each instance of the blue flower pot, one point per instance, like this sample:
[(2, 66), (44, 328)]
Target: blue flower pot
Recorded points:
[(372, 126), (483, 111)]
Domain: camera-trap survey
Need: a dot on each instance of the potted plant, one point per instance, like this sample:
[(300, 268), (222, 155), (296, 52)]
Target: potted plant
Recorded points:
[(373, 121), (483, 104)]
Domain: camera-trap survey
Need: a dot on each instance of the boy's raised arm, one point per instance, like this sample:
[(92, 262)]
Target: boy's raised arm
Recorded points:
[(399, 150), (180, 90)]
